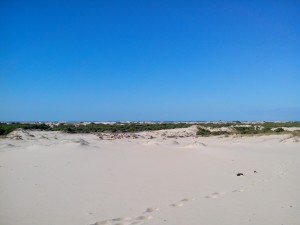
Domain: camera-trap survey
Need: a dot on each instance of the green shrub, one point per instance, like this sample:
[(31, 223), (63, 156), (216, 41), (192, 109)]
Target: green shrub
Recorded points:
[(279, 130), (203, 132), (246, 130), (266, 130)]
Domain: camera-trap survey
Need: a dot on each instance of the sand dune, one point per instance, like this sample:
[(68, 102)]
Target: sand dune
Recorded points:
[(80, 179)]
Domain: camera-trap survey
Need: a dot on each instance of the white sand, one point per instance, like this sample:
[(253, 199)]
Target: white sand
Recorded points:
[(50, 178)]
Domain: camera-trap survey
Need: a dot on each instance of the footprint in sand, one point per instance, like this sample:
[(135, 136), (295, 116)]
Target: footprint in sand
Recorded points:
[(282, 174), (238, 190), (140, 220), (179, 204), (149, 210), (128, 220), (148, 217), (121, 219), (105, 222), (116, 221), (215, 195), (188, 199), (137, 223)]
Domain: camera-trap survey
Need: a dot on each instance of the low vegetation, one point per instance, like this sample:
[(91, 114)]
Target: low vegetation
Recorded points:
[(209, 129), (204, 129), (6, 128), (296, 133), (206, 132), (264, 124), (118, 127)]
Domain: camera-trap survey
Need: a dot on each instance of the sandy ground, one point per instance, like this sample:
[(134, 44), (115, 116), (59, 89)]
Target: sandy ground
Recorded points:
[(50, 178)]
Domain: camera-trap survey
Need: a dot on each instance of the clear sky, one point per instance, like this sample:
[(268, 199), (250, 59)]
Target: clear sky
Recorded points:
[(149, 60)]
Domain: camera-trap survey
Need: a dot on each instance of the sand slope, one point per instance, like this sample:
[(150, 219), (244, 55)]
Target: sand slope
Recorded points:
[(52, 178)]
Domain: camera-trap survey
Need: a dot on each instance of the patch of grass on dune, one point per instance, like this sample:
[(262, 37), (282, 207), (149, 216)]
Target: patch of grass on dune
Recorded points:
[(296, 133)]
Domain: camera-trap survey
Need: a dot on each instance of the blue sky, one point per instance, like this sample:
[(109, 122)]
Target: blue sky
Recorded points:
[(149, 60)]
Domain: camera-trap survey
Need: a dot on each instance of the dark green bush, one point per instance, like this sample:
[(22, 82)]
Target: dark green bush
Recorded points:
[(266, 130), (279, 130), (246, 130), (6, 128), (203, 132), (117, 127)]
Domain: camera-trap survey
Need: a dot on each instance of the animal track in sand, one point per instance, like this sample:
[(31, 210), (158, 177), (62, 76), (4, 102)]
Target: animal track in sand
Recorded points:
[(128, 220), (122, 219), (148, 217), (139, 220), (179, 204), (282, 174), (241, 190), (104, 222), (188, 199), (215, 195), (149, 210)]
